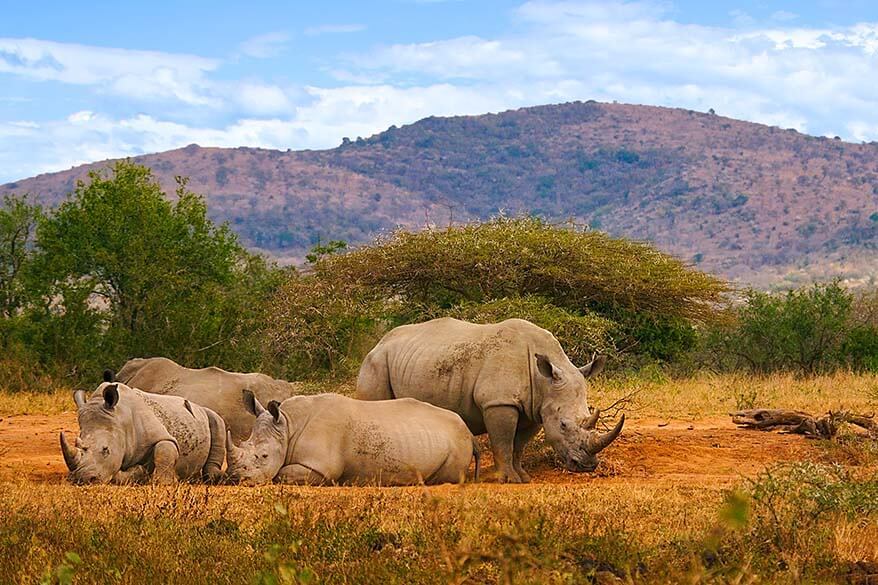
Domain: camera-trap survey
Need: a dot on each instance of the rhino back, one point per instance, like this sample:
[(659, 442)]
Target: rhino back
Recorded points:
[(211, 387), (391, 442), (189, 428)]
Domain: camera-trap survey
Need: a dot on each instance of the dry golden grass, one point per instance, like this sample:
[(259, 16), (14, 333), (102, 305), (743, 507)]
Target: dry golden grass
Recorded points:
[(54, 402), (620, 528), (699, 396), (707, 394)]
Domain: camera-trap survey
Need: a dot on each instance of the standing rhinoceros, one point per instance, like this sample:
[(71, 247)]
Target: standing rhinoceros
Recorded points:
[(330, 438), (506, 379), (127, 435), (212, 388)]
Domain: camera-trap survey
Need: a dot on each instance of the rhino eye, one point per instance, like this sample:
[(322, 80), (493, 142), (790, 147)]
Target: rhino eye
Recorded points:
[(265, 455), (105, 451)]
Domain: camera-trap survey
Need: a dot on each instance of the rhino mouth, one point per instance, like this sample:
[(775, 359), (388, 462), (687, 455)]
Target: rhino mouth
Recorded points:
[(581, 466)]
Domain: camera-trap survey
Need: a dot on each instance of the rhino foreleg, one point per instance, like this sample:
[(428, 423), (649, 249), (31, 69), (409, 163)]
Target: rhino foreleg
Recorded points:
[(135, 474), (501, 423), (522, 437), (165, 456), (300, 475)]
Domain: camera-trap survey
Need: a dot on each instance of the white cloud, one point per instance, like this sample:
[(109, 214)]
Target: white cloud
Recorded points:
[(265, 46), (816, 79), (132, 73), (261, 99), (313, 31)]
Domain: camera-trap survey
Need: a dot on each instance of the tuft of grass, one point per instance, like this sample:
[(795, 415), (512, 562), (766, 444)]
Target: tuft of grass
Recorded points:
[(27, 402)]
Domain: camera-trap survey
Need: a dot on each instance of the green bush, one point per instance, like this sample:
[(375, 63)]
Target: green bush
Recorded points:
[(120, 270), (592, 291), (803, 330)]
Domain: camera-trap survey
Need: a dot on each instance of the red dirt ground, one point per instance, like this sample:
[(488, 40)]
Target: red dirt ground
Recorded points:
[(708, 451)]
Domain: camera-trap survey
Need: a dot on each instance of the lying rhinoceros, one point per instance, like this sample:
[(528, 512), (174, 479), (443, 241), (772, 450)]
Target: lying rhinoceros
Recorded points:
[(507, 379), (130, 436), (330, 438), (213, 388)]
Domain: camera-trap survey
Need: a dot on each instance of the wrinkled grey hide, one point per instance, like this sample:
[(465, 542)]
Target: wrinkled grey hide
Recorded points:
[(330, 438), (212, 388), (507, 379), (130, 436)]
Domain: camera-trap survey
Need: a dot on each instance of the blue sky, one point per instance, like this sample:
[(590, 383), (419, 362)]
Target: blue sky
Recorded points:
[(87, 81)]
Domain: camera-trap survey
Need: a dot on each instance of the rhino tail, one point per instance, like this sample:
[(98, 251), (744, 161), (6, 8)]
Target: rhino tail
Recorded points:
[(477, 455), (188, 407), (213, 468)]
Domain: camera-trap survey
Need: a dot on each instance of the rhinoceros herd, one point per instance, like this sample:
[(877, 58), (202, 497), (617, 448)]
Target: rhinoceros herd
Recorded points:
[(422, 393)]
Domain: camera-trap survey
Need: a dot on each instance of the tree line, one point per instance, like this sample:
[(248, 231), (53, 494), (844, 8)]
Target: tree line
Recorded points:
[(122, 269)]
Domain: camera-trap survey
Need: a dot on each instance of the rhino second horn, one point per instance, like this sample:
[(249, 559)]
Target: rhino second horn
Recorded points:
[(593, 419), (234, 452), (604, 440), (71, 453)]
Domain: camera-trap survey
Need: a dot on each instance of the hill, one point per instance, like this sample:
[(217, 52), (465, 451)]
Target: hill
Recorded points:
[(744, 200)]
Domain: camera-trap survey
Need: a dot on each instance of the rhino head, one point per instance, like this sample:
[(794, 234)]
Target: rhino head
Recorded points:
[(567, 422), (97, 453), (258, 459)]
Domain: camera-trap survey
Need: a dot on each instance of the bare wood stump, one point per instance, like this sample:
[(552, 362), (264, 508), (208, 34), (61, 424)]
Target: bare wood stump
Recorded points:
[(802, 423)]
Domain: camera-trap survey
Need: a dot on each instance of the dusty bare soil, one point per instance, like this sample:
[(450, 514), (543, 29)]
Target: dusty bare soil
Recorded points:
[(709, 451)]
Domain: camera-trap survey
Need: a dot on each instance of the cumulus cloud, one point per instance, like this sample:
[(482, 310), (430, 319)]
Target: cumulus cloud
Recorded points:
[(814, 79), (265, 46), (127, 72)]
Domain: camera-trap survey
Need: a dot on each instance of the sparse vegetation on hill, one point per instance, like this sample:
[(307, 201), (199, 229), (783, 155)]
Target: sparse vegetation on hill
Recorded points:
[(747, 201)]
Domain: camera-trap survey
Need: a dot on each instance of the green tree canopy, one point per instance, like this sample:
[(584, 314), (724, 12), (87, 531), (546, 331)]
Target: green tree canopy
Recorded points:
[(18, 225), (145, 274)]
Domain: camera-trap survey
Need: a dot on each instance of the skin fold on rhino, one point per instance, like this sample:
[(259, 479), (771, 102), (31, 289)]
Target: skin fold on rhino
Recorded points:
[(507, 379), (130, 436), (334, 439), (213, 388)]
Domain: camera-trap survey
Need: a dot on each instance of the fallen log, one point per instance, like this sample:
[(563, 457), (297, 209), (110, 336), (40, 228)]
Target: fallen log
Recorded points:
[(802, 423)]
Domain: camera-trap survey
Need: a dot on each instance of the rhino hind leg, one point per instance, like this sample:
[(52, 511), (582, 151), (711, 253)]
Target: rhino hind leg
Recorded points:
[(165, 454), (212, 472), (373, 382), (300, 475), (501, 422)]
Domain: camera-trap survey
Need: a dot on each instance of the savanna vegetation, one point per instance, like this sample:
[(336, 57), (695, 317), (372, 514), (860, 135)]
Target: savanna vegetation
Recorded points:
[(122, 269)]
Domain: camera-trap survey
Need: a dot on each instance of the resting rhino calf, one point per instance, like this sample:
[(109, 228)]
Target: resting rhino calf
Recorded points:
[(212, 388), (130, 436), (507, 379), (330, 438)]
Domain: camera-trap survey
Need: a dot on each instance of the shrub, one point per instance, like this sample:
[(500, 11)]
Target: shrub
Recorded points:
[(588, 289), (802, 330)]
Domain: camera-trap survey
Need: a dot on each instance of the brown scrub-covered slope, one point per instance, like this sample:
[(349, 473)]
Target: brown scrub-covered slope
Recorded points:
[(741, 199)]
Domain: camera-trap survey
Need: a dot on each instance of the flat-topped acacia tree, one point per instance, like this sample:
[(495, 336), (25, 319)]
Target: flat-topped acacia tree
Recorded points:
[(489, 271)]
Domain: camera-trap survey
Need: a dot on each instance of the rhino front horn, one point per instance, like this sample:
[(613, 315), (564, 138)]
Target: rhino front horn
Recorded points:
[(604, 440), (71, 453)]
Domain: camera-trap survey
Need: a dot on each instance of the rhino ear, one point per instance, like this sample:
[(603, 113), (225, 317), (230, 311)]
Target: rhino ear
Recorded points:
[(274, 409), (79, 398), (546, 368), (109, 376), (111, 396), (251, 403), (595, 366)]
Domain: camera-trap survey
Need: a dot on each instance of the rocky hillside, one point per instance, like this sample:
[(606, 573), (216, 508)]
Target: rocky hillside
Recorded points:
[(745, 200)]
